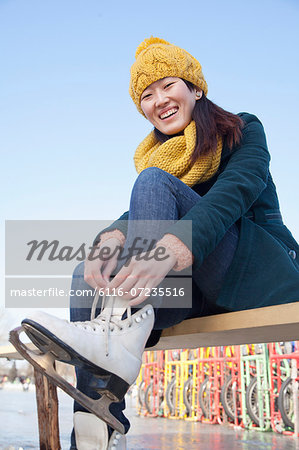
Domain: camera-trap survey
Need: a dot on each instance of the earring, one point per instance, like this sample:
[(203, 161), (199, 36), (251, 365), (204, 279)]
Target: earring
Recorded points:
[(198, 94)]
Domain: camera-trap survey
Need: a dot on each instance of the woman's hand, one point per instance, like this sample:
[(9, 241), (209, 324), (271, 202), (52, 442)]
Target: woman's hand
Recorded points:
[(142, 275), (98, 266)]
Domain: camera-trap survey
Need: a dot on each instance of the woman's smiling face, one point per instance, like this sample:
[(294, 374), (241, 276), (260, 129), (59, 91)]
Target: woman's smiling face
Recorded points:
[(168, 104)]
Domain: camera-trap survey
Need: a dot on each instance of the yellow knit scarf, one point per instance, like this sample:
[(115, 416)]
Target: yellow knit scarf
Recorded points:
[(173, 156)]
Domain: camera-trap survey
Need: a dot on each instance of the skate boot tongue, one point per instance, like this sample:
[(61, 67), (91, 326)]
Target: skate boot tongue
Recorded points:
[(113, 306), (112, 310)]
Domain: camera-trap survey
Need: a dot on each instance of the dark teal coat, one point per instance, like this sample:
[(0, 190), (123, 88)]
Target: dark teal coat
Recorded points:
[(265, 268)]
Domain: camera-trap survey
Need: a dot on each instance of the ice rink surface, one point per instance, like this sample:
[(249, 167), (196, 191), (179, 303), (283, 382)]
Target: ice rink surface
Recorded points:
[(18, 429)]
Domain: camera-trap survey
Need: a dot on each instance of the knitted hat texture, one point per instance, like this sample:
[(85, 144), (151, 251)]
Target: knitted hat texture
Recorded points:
[(156, 59)]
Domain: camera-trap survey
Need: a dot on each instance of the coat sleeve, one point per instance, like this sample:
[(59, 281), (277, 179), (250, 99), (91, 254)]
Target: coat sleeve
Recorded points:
[(235, 190), (120, 224)]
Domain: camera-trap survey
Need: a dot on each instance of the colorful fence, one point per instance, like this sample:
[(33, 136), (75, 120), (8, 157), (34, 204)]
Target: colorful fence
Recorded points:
[(247, 385)]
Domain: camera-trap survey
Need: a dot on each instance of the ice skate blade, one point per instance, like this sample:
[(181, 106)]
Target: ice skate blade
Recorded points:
[(45, 363), (47, 342)]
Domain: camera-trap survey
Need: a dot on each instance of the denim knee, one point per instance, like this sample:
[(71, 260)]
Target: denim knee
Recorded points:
[(151, 175)]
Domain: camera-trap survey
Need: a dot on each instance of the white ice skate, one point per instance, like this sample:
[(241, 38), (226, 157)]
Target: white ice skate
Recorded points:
[(92, 434), (107, 346)]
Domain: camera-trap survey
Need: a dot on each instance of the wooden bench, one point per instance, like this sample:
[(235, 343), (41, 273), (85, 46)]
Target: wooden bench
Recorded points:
[(269, 324), (10, 353), (261, 325)]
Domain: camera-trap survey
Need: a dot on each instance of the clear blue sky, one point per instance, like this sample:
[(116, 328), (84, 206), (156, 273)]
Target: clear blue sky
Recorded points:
[(68, 128)]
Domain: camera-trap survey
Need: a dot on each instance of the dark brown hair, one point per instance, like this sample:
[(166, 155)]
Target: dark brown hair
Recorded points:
[(211, 121)]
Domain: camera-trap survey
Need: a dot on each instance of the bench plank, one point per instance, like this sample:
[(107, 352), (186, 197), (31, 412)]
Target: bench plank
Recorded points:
[(9, 352), (268, 324)]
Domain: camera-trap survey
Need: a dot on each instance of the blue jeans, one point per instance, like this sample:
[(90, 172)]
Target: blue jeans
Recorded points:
[(159, 196)]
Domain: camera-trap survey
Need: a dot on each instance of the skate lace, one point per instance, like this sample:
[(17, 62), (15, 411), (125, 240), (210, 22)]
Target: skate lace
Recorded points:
[(107, 321)]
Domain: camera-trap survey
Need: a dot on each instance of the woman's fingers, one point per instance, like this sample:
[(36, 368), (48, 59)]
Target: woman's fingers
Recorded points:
[(98, 279), (128, 288), (140, 271), (89, 279), (143, 294), (135, 280), (92, 273), (94, 278), (108, 269), (120, 277), (99, 267)]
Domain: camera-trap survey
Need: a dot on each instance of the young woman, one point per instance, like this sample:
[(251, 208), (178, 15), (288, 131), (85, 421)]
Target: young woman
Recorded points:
[(200, 165)]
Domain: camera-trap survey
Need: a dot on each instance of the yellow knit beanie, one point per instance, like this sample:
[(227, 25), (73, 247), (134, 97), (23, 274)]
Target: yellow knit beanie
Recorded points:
[(156, 59)]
